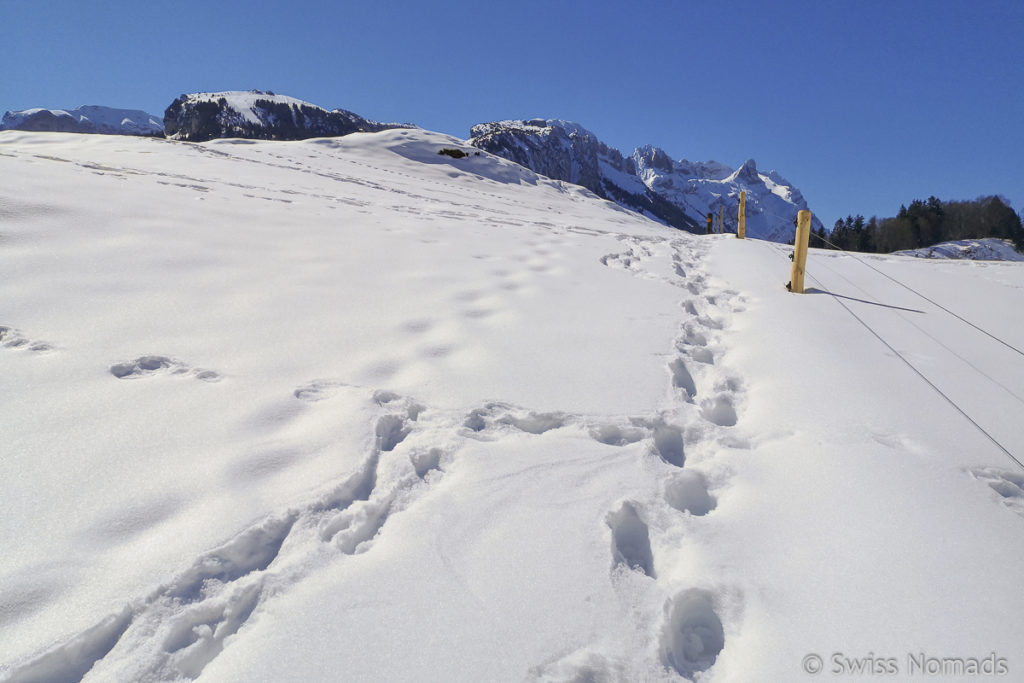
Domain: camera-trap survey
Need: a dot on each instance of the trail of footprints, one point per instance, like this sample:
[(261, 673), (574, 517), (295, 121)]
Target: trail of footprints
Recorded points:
[(181, 626), (692, 635)]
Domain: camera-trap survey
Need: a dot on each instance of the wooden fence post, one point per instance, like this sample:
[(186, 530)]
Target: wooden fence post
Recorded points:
[(721, 219), (709, 223), (741, 223), (803, 233)]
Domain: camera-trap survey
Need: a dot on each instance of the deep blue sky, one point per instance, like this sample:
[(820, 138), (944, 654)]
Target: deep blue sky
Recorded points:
[(863, 104)]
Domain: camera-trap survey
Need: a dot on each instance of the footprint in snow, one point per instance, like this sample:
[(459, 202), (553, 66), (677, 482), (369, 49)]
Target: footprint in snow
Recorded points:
[(146, 366), (480, 419), (682, 379), (318, 390), (719, 410), (13, 339), (616, 435), (687, 491), (668, 444), (693, 636), (631, 542), (1008, 484)]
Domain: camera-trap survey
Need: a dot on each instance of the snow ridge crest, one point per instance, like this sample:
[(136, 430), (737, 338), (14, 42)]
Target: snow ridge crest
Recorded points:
[(85, 119)]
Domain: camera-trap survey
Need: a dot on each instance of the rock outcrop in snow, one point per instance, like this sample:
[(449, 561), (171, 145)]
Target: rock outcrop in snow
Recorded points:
[(259, 115), (678, 193), (85, 119)]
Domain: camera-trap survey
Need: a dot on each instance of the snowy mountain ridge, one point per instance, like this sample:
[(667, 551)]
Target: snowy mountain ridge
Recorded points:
[(679, 193), (84, 119), (255, 114)]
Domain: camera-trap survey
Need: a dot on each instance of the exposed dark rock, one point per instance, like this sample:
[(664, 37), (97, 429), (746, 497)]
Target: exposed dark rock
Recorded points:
[(260, 116), (565, 151), (680, 193)]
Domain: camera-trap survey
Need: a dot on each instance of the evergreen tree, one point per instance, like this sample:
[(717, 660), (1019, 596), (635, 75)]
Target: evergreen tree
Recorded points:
[(924, 223)]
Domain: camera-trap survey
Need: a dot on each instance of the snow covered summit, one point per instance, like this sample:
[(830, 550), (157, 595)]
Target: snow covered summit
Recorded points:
[(258, 115), (679, 193), (84, 119)]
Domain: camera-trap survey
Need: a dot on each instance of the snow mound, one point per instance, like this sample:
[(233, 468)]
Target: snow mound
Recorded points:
[(985, 249)]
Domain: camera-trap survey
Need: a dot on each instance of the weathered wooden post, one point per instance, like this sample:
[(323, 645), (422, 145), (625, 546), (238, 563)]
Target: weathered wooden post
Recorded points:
[(803, 233), (721, 219), (741, 223), (709, 222)]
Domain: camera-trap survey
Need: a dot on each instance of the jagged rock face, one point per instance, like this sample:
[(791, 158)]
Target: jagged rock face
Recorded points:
[(566, 151), (546, 149), (772, 202), (679, 193), (258, 115), (86, 119), (653, 157)]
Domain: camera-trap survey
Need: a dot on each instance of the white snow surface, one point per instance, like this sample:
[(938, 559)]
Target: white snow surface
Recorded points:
[(348, 409), (984, 249), (243, 102), (106, 119)]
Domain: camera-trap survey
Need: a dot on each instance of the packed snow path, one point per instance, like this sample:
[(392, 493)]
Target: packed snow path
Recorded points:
[(348, 408)]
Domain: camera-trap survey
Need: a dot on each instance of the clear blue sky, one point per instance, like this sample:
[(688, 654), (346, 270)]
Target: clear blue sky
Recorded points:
[(863, 104)]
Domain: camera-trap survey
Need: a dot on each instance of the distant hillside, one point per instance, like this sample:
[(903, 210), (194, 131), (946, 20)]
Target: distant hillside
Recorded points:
[(85, 119)]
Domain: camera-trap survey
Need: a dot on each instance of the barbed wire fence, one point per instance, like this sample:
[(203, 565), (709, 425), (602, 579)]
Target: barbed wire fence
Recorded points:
[(838, 299)]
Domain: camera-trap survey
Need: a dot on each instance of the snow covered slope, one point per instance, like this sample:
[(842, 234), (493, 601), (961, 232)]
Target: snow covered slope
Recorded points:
[(986, 249), (259, 115), (347, 407), (678, 193), (85, 119)]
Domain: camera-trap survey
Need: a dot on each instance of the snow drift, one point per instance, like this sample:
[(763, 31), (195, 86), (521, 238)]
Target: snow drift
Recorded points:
[(985, 249)]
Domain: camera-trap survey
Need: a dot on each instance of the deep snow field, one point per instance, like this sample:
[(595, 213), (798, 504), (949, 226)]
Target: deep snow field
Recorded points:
[(347, 409)]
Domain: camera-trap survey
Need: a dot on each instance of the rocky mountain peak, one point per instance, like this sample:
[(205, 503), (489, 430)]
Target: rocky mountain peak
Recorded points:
[(679, 193), (650, 156), (747, 173)]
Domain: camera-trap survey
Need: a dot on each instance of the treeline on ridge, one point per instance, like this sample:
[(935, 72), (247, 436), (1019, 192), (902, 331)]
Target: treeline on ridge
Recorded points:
[(925, 223)]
